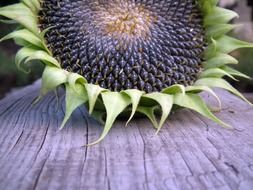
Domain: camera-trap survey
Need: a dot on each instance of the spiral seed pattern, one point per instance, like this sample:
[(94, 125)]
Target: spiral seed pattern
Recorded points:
[(127, 44)]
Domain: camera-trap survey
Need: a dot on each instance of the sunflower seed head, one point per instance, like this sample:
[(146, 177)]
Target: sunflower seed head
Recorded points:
[(127, 44)]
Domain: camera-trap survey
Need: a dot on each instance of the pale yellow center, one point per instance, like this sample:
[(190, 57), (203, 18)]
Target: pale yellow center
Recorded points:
[(126, 19)]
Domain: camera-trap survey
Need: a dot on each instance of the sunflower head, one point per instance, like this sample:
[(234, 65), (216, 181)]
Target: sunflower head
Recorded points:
[(123, 45), (128, 56)]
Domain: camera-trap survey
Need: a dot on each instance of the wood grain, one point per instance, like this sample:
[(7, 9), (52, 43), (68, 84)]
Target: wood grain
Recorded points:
[(190, 152)]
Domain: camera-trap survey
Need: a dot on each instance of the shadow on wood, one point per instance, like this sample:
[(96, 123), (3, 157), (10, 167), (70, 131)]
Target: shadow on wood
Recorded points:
[(190, 152)]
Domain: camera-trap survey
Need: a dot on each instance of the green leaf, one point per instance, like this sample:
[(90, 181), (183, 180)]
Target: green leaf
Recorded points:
[(6, 21), (93, 92), (198, 89), (22, 14), (218, 30), (234, 72), (215, 73), (207, 6), (34, 5), (75, 97), (135, 96), (115, 103), (174, 89), (52, 77), (194, 102), (22, 56), (219, 16), (27, 54), (211, 50), (219, 60), (42, 36), (24, 37), (166, 103), (44, 57), (74, 78), (220, 83), (228, 44), (43, 33)]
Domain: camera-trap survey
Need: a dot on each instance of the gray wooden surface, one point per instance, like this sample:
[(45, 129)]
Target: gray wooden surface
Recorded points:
[(190, 152)]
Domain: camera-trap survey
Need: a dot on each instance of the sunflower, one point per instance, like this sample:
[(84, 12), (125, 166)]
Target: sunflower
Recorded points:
[(122, 57)]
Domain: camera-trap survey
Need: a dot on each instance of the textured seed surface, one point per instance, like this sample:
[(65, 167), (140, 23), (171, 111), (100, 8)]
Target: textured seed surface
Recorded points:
[(124, 44)]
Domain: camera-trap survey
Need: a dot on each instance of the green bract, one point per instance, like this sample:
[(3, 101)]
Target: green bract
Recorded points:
[(102, 102)]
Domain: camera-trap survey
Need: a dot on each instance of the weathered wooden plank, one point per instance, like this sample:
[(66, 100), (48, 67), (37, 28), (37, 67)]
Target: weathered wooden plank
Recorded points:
[(190, 152)]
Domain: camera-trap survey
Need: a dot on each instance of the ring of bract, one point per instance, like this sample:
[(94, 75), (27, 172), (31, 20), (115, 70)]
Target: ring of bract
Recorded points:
[(101, 101)]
